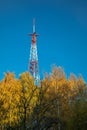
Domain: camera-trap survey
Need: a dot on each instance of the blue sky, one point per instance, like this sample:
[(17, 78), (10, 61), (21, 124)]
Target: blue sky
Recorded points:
[(62, 25)]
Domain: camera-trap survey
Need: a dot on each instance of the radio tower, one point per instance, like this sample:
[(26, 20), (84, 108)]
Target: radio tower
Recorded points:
[(33, 61)]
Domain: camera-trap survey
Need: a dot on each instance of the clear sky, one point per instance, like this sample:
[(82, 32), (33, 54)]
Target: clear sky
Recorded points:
[(62, 25)]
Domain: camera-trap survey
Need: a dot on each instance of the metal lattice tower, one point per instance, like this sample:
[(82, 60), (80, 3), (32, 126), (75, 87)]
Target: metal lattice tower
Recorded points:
[(33, 61)]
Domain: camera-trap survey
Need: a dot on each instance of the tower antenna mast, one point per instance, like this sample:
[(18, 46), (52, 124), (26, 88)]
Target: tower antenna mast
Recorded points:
[(33, 25), (33, 61)]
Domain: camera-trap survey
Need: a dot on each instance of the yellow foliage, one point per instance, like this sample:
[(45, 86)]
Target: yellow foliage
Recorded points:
[(19, 97)]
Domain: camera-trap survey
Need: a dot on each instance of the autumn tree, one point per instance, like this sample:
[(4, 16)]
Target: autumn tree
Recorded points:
[(9, 98), (59, 103), (28, 98)]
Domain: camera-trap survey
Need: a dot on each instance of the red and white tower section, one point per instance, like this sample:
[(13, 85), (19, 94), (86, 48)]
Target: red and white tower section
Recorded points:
[(33, 61)]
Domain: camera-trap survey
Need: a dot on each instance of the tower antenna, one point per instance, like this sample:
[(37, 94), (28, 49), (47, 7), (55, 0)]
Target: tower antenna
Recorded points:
[(33, 25), (33, 61)]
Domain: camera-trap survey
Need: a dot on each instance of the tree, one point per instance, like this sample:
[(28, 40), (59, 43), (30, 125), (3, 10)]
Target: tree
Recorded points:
[(59, 103), (28, 98), (10, 96)]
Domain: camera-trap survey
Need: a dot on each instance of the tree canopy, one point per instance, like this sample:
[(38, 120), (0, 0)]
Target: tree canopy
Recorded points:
[(58, 104)]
